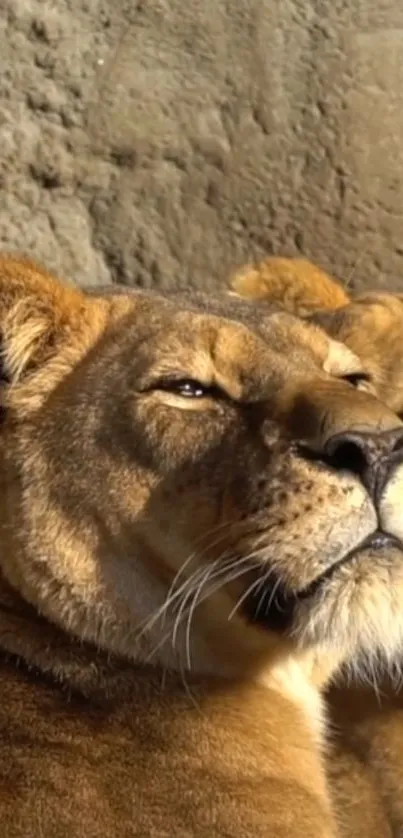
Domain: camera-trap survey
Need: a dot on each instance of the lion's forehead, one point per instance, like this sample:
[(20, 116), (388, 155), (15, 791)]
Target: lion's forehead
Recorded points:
[(222, 307), (227, 329)]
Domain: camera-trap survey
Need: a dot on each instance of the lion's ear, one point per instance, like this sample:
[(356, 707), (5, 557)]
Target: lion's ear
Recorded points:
[(37, 314), (296, 284)]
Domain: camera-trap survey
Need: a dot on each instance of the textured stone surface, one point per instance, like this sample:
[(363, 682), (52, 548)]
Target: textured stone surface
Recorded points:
[(167, 141)]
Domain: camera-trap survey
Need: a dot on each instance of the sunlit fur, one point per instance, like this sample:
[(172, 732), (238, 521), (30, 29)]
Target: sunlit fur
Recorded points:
[(365, 763), (139, 520)]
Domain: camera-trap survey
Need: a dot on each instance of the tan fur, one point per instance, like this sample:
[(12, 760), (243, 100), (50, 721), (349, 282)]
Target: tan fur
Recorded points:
[(144, 690), (297, 284), (370, 324), (366, 765)]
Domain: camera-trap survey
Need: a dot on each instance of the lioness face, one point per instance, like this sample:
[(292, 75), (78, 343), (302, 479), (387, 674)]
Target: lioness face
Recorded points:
[(195, 481)]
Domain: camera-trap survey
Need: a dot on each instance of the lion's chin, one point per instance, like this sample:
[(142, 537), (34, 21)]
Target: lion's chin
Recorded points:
[(357, 613), (354, 607)]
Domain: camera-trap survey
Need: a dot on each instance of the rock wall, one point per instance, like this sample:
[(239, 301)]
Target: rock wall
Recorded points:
[(163, 142)]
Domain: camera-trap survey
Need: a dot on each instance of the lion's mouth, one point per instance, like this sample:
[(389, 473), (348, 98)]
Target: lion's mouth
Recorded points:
[(274, 607)]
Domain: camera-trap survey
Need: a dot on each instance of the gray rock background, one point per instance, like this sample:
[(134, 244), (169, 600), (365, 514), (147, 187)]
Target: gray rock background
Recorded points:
[(162, 142)]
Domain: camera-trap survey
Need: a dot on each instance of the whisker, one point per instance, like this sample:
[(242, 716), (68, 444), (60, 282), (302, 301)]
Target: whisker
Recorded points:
[(200, 554), (263, 594), (188, 690), (244, 596), (156, 647), (227, 579), (181, 612), (150, 621), (191, 557), (272, 595), (187, 596), (190, 613), (223, 571), (206, 573)]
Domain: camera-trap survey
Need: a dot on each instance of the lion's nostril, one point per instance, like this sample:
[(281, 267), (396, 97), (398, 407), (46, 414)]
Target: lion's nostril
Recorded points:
[(370, 456), (346, 455), (360, 453)]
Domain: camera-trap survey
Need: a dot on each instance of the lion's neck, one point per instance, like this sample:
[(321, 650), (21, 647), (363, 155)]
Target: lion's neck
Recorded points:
[(82, 667), (281, 743), (292, 679), (28, 637)]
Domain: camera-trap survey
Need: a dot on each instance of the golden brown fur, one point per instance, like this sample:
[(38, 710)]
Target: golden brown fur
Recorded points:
[(176, 580), (127, 753), (299, 286), (370, 324), (366, 765)]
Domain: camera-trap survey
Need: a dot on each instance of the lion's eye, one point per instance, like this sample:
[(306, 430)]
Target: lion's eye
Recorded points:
[(188, 388), (357, 379)]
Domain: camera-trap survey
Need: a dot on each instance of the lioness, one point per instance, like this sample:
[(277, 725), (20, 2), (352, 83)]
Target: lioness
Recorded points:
[(370, 324), (366, 762), (201, 521)]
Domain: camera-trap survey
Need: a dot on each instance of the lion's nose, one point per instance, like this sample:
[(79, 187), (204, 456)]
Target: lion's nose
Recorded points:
[(370, 456)]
